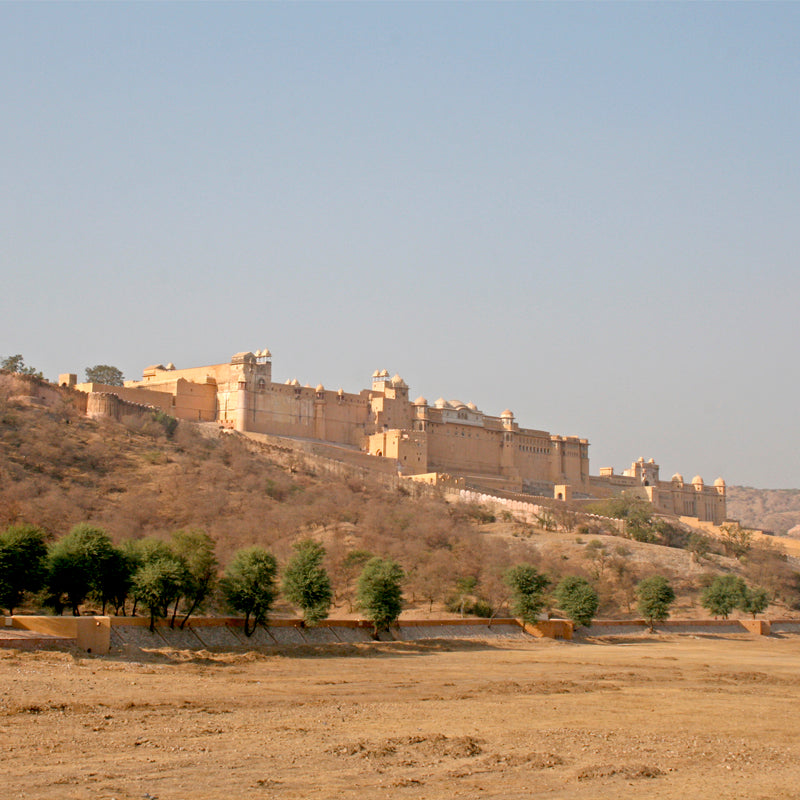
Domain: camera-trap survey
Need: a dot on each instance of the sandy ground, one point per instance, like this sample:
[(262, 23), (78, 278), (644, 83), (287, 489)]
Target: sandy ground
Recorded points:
[(677, 717)]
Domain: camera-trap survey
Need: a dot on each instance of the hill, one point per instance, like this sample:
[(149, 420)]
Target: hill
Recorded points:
[(776, 510), (141, 477)]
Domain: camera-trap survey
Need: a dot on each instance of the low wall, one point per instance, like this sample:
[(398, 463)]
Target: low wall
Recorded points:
[(93, 634), (549, 629), (621, 627), (98, 634)]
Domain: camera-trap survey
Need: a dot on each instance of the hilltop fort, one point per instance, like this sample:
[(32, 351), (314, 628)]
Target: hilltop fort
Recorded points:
[(424, 440)]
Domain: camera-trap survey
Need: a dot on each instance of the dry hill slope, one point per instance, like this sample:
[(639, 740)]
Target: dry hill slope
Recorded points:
[(58, 468)]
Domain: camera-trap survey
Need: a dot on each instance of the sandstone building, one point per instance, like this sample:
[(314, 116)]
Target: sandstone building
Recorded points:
[(446, 436)]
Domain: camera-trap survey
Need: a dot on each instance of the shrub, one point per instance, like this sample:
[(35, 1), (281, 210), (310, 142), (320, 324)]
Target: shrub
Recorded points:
[(379, 592), (725, 593), (577, 599), (249, 585), (527, 587), (655, 597), (306, 583)]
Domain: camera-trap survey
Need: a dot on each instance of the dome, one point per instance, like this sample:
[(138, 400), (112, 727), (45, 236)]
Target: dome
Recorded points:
[(651, 461), (320, 387), (678, 477), (266, 353), (398, 381), (719, 482), (376, 374), (294, 382), (170, 365), (472, 407), (697, 480), (340, 392), (384, 373), (440, 403), (420, 401), (507, 414)]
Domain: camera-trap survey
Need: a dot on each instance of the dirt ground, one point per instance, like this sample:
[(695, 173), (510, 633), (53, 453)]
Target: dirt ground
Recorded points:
[(677, 717)]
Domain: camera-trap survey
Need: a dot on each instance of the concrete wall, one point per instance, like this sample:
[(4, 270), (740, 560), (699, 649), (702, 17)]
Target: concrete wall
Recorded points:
[(93, 634)]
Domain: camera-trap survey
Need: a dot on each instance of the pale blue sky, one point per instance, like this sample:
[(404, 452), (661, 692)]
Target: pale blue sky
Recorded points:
[(587, 213)]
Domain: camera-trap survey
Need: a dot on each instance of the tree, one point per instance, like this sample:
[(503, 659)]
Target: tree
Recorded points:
[(116, 580), (306, 583), (725, 593), (23, 555), (196, 550), (577, 599), (347, 567), (527, 587), (637, 513), (655, 597), (158, 584), (380, 594), (249, 585), (735, 539), (17, 364), (754, 600), (104, 373), (76, 566)]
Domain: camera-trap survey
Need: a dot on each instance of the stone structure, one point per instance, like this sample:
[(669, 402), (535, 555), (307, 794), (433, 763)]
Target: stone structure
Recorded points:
[(447, 436), (695, 499)]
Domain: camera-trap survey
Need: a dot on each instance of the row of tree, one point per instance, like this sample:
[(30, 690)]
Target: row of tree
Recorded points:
[(578, 600), (182, 574)]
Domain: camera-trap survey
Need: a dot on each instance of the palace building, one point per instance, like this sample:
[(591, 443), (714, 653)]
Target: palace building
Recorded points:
[(446, 436)]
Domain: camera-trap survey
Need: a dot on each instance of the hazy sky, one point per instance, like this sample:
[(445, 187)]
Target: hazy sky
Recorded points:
[(587, 213)]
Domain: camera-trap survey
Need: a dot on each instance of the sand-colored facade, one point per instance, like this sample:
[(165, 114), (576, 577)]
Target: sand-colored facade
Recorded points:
[(446, 436), (675, 496)]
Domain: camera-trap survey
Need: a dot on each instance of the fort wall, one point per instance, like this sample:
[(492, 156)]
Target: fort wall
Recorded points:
[(415, 438)]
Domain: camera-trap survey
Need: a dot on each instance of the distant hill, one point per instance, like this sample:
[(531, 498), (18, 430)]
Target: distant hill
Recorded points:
[(777, 510)]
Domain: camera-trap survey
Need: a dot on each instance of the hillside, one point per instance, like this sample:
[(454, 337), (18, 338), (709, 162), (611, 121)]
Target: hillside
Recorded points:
[(58, 468), (776, 510)]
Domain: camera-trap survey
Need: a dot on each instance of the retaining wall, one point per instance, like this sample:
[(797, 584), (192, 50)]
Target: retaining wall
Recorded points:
[(93, 634)]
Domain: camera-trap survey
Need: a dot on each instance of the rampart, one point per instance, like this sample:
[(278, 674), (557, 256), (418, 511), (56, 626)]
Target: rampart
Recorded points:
[(111, 406)]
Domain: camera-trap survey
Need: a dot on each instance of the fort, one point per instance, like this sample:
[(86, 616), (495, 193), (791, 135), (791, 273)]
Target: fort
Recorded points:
[(424, 440)]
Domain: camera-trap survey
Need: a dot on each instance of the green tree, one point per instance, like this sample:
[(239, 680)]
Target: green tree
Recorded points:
[(306, 583), (104, 373), (380, 594), (725, 593), (754, 600), (655, 596), (23, 555), (577, 599), (158, 583), (17, 364), (76, 565), (527, 587), (138, 553), (196, 549), (249, 585), (116, 581)]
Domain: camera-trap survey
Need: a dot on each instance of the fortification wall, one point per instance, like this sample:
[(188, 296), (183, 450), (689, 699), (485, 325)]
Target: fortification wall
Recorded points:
[(111, 406), (141, 397)]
